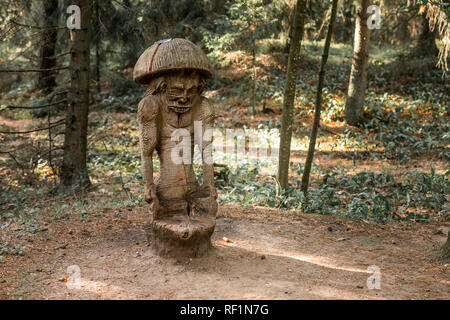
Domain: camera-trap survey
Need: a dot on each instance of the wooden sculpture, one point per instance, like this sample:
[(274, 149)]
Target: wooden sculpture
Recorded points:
[(172, 117)]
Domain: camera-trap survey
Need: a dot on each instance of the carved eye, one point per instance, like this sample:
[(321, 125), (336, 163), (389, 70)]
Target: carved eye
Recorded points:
[(175, 92), (192, 91)]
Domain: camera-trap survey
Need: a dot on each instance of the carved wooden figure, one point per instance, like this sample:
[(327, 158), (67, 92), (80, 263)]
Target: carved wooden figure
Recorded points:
[(173, 116)]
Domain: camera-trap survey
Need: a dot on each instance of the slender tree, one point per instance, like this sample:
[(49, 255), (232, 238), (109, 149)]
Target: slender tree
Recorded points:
[(218, 6), (73, 170), (446, 247), (348, 22), (318, 106), (438, 24), (426, 44), (354, 107), (97, 40), (289, 93), (46, 80)]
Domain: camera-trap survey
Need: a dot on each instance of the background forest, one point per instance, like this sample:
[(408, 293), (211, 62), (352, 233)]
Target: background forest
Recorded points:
[(383, 161)]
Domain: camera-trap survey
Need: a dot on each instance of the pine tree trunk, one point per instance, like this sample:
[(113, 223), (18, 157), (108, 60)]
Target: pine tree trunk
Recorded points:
[(46, 80), (254, 77), (289, 93), (218, 6), (354, 108), (97, 40), (316, 123), (426, 45), (348, 23), (74, 171), (446, 247)]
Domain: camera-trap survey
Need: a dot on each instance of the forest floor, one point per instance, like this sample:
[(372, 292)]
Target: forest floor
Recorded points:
[(379, 196), (259, 253)]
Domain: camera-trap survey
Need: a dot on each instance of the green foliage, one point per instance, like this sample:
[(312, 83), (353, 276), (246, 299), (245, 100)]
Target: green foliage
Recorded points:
[(57, 95), (5, 248), (120, 85), (379, 197), (244, 22)]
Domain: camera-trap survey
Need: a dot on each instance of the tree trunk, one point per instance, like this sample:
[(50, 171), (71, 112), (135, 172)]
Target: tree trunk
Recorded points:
[(348, 23), (97, 39), (289, 93), (316, 123), (46, 80), (354, 108), (446, 247), (426, 45), (74, 173), (218, 6), (254, 77)]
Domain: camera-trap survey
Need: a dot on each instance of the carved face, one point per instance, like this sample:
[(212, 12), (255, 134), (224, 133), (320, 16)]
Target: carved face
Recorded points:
[(183, 91)]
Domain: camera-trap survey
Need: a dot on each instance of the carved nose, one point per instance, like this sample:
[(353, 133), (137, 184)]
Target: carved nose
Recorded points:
[(183, 99)]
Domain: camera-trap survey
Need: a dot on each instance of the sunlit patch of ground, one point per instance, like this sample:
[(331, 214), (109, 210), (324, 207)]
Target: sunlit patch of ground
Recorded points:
[(266, 255)]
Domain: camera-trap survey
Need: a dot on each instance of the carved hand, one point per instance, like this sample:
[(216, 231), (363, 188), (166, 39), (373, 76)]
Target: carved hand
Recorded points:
[(213, 192), (150, 195), (210, 190)]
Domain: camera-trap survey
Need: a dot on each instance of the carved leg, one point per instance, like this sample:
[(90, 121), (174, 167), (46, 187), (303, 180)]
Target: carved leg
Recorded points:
[(185, 233)]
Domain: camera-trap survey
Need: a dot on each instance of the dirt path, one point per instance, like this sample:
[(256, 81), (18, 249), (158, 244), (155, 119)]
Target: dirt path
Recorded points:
[(268, 256)]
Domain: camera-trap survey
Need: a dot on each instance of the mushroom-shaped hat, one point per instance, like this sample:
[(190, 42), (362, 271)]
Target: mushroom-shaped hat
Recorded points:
[(169, 55)]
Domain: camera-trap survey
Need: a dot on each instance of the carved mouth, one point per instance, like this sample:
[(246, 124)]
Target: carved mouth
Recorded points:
[(180, 109)]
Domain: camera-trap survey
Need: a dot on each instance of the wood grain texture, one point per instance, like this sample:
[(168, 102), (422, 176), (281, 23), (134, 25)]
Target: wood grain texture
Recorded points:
[(177, 54), (183, 211)]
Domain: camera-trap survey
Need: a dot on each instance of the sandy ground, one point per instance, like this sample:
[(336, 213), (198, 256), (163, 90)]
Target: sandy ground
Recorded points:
[(265, 255)]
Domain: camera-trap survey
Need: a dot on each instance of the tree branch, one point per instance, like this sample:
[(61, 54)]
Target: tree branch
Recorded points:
[(37, 107), (35, 70), (53, 125), (37, 27)]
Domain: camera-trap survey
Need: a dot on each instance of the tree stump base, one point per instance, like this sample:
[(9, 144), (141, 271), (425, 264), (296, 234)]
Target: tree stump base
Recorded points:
[(182, 236)]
